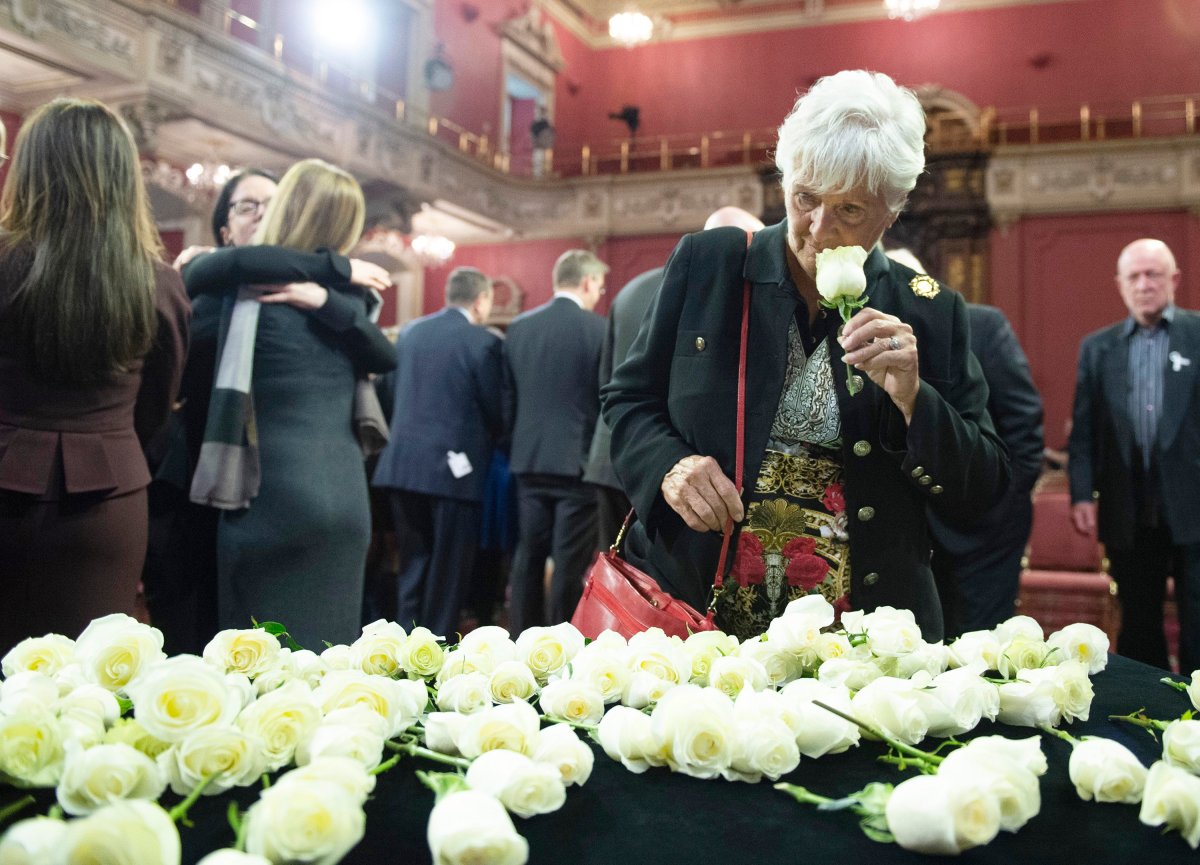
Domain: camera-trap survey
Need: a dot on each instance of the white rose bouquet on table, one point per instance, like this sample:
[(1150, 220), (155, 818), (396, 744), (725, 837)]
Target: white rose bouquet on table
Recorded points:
[(1172, 798), (47, 655), (841, 282)]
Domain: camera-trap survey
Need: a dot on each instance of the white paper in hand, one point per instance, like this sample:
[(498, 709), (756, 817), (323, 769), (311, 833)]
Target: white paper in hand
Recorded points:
[(460, 464)]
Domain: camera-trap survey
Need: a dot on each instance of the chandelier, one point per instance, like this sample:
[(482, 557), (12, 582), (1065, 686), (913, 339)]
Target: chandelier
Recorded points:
[(630, 28), (433, 250), (208, 176), (909, 10)]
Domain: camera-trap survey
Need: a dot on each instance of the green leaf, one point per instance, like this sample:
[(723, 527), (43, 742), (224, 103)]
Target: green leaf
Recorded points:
[(443, 783), (125, 705), (277, 629), (877, 830)]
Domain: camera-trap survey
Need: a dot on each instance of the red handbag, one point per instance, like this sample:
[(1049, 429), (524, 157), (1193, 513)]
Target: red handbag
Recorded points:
[(618, 597)]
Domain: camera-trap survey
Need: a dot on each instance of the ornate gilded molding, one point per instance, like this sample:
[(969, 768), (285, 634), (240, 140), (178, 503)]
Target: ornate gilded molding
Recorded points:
[(1094, 177)]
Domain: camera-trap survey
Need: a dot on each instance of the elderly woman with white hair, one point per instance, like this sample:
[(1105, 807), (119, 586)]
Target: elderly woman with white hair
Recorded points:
[(838, 469)]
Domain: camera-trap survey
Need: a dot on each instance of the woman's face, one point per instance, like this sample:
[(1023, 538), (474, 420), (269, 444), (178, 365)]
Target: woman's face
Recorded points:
[(820, 222), (246, 208)]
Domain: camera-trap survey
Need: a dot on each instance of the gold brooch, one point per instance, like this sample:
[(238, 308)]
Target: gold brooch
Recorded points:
[(924, 286)]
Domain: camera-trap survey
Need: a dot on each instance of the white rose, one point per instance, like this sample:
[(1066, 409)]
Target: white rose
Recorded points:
[(470, 827), (942, 815), (310, 821), (378, 651), (703, 647), (32, 842), (47, 655), (423, 654), (645, 689), (820, 731), (1021, 653), (571, 700), (894, 707), (103, 774), (1028, 703), (1181, 745), (831, 645), (978, 650), (548, 650), (1081, 642), (230, 856), (1026, 753), (176, 696), (249, 651), (840, 273), (511, 727), (625, 734), (853, 672), (340, 657), (231, 757), (443, 729), (1193, 690), (127, 831), (766, 747), (1018, 626), (91, 700), (812, 607), (731, 674), (524, 787), (661, 656), (467, 693), (929, 657), (398, 703), (1014, 787), (490, 640), (71, 677), (457, 662), (781, 667), (28, 692), (1172, 797), (605, 668), (345, 773), (1107, 771), (353, 732), (282, 719), (114, 650), (512, 681), (891, 632), (957, 701), (695, 728), (31, 749), (798, 634), (1072, 689), (559, 746), (129, 732)]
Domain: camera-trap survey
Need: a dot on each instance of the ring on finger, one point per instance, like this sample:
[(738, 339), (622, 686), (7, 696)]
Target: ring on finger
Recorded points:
[(893, 343)]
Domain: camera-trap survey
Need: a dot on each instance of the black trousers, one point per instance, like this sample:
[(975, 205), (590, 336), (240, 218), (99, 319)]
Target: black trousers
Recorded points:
[(438, 539), (556, 518), (1141, 576)]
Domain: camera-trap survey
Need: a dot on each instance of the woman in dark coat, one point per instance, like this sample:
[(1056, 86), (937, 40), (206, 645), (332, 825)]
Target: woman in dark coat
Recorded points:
[(93, 334), (836, 485), (294, 551)]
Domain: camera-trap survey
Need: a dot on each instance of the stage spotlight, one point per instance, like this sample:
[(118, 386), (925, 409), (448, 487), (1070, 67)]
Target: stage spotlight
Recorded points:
[(343, 26)]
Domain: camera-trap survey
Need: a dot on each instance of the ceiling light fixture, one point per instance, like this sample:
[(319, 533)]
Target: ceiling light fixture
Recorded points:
[(432, 249), (630, 28), (910, 10), (208, 176)]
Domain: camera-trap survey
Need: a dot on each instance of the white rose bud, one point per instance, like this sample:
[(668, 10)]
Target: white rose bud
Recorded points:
[(510, 727), (47, 655), (380, 648), (249, 651), (423, 654), (91, 700), (942, 815), (894, 707), (840, 273), (442, 731), (1071, 688), (398, 703), (820, 731), (661, 656), (31, 749), (128, 831), (645, 689), (830, 645), (781, 667), (32, 842), (490, 640), (703, 647), (339, 657), (114, 650), (1181, 745), (1193, 690), (230, 856), (1018, 626), (547, 650), (695, 728), (929, 657), (731, 674), (103, 774), (228, 755), (957, 701), (1107, 771), (353, 732), (282, 719), (1028, 703), (1080, 642), (766, 747), (512, 681), (572, 700), (1026, 753), (891, 632), (605, 668), (180, 695), (1021, 653), (28, 692), (470, 827), (344, 772), (310, 821), (458, 662), (1013, 786), (978, 650), (524, 787), (851, 672), (466, 694), (626, 735), (559, 746), (1172, 797)]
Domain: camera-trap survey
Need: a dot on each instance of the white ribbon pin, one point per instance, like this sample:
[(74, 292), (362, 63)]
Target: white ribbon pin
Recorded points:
[(1178, 361)]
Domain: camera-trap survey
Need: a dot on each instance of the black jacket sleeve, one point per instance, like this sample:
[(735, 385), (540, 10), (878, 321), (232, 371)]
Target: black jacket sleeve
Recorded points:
[(225, 269)]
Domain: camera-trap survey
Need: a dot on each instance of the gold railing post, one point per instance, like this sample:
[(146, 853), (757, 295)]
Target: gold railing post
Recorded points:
[(1136, 112), (433, 126), (664, 154), (704, 151), (1085, 117), (277, 47), (1189, 115), (986, 119), (625, 156), (746, 148), (1033, 126), (585, 160)]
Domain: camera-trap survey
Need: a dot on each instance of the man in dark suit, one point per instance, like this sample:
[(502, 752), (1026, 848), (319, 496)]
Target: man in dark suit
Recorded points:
[(445, 423), (978, 569), (1135, 453), (552, 357), (624, 319)]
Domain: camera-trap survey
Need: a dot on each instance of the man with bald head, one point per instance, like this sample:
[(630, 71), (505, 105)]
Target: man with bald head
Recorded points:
[(1135, 453)]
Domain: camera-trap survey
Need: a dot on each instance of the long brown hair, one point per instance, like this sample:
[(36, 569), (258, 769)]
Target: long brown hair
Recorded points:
[(316, 204), (75, 204)]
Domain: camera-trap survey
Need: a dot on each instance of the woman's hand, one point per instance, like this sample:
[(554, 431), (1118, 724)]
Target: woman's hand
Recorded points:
[(368, 274), (302, 295), (188, 254), (698, 491), (885, 348)]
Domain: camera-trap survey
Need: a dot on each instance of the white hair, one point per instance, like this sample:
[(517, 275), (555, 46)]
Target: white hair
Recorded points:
[(854, 128)]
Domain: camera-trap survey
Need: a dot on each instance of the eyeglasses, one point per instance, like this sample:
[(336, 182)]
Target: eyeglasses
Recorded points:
[(248, 206)]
